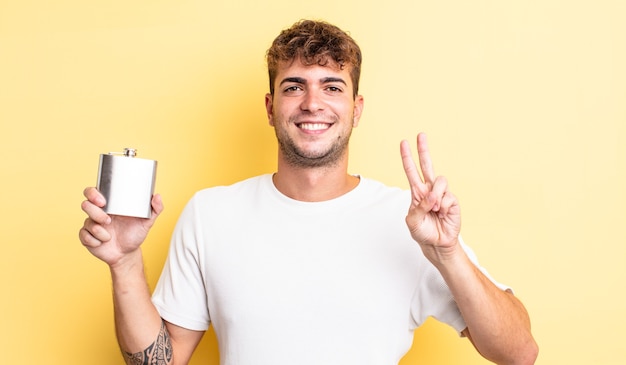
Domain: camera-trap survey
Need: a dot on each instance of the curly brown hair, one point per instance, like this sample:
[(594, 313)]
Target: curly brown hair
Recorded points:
[(315, 42)]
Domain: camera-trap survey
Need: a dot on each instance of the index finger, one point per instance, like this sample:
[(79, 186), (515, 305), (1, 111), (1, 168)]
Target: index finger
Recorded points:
[(426, 164), (409, 165), (94, 196), (93, 206)]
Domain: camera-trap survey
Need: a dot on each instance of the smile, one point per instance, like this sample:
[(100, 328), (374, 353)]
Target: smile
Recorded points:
[(313, 126)]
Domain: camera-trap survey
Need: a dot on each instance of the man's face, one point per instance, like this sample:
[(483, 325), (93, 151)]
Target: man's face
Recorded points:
[(313, 112)]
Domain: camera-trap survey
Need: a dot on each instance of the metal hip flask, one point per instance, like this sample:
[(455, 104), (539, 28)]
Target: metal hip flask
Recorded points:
[(127, 183)]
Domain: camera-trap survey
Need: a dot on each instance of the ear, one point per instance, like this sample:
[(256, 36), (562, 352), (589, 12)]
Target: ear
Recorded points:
[(269, 108), (358, 110)]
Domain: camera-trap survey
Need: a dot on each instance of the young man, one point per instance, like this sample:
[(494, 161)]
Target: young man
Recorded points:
[(309, 265)]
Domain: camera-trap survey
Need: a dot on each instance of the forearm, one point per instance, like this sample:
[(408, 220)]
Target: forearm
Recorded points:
[(140, 330), (497, 322)]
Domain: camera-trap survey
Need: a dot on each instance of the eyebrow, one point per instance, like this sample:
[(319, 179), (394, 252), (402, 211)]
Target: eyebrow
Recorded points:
[(325, 80)]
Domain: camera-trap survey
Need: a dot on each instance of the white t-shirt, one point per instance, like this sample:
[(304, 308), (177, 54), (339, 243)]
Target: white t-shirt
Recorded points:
[(290, 282)]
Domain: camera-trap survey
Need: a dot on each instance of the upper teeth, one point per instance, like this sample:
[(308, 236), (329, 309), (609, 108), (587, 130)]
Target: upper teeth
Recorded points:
[(313, 126)]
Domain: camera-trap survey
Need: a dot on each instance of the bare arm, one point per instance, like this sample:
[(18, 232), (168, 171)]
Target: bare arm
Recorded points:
[(143, 336), (497, 322)]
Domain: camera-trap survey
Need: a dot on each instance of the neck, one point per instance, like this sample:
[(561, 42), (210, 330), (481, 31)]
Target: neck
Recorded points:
[(314, 184)]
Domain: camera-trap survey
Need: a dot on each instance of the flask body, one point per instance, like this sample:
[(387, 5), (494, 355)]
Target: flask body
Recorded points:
[(127, 184)]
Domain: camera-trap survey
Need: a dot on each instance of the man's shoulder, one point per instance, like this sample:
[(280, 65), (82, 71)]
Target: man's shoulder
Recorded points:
[(376, 186), (376, 192), (240, 188), (249, 183)]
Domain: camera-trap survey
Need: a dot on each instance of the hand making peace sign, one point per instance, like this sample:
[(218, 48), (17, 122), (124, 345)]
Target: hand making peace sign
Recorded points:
[(434, 217)]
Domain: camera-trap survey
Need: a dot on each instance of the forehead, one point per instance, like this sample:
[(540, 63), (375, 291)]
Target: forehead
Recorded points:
[(312, 72)]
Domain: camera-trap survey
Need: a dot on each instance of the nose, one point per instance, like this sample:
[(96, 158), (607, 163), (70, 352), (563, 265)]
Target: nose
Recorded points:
[(312, 101)]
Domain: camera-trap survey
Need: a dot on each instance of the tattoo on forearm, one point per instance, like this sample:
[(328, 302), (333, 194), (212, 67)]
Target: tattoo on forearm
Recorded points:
[(159, 353)]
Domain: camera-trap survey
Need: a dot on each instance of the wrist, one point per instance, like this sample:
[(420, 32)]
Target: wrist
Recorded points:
[(452, 262), (456, 269), (447, 254), (127, 263)]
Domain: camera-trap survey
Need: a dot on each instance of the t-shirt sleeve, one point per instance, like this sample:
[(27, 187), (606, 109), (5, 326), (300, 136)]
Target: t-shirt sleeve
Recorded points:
[(180, 294), (434, 299)]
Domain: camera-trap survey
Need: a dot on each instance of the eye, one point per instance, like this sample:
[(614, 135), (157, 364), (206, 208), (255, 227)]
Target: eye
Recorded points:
[(292, 89), (334, 89)]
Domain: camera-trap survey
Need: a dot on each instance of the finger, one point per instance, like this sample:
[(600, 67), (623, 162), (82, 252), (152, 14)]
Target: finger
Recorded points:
[(157, 208), (95, 212), (418, 213), (97, 231), (87, 239), (410, 169), (93, 195), (448, 202), (424, 158), (157, 204), (440, 187)]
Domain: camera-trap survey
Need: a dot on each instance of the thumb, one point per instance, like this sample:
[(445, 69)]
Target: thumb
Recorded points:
[(418, 212), (157, 205), (157, 208), (428, 203)]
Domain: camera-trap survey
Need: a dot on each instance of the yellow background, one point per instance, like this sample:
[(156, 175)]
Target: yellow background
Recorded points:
[(524, 103)]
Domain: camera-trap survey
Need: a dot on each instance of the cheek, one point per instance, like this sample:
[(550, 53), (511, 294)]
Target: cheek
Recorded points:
[(344, 106), (345, 113)]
